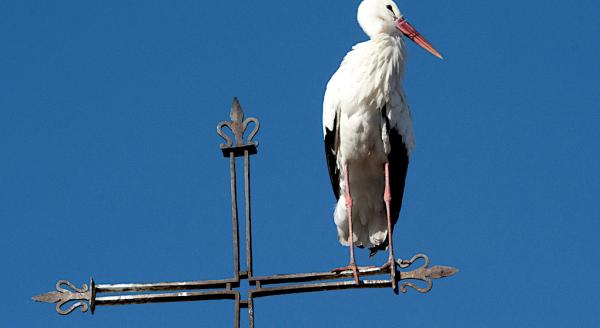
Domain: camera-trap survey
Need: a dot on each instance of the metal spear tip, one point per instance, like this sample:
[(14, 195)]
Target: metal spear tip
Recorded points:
[(440, 271), (51, 297), (236, 114)]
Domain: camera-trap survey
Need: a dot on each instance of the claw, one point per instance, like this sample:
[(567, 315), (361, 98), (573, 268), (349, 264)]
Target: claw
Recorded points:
[(351, 267), (388, 265), (404, 263)]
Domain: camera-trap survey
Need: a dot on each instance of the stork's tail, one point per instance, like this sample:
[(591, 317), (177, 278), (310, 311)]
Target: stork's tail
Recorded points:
[(367, 234), (381, 247)]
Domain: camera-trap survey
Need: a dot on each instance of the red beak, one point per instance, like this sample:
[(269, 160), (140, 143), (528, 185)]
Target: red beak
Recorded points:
[(410, 32)]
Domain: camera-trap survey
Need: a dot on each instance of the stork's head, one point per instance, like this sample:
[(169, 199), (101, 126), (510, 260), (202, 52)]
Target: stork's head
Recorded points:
[(383, 16)]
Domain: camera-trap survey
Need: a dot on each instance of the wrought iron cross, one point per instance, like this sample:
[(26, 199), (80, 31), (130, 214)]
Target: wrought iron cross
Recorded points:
[(68, 297)]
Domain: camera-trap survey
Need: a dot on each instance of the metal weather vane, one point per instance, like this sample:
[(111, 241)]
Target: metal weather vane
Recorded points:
[(68, 297)]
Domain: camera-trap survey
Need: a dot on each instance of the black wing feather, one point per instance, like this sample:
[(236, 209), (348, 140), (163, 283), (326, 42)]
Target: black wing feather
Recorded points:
[(398, 159), (331, 149)]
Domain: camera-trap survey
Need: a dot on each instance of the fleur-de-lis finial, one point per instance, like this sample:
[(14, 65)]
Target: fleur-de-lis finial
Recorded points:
[(424, 273), (238, 126), (62, 296)]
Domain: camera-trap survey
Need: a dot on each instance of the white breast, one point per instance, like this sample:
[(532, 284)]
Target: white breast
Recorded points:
[(367, 81)]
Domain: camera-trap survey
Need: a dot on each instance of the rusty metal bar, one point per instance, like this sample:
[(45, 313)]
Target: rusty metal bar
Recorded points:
[(164, 286), (248, 214), (251, 310), (314, 276), (165, 298), (234, 216), (236, 315), (326, 286)]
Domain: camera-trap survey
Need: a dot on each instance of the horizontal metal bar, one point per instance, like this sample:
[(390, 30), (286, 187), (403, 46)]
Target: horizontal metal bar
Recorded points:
[(166, 286), (85, 297), (315, 276), (164, 298), (327, 286)]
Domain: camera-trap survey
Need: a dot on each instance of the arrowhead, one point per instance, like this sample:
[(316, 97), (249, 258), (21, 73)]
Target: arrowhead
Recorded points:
[(51, 297), (237, 115), (439, 271)]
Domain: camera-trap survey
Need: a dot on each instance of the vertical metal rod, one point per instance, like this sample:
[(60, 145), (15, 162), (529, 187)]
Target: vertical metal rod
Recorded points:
[(234, 214), (248, 214), (236, 323), (251, 310)]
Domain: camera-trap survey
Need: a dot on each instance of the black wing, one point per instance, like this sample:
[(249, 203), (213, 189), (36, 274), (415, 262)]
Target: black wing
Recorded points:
[(332, 143), (398, 161)]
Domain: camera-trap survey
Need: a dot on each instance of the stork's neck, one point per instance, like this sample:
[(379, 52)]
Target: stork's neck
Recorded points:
[(375, 68), (389, 53), (390, 48)]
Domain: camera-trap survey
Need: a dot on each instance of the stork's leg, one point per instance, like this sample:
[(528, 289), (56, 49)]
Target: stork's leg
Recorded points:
[(349, 209), (387, 197), (352, 266)]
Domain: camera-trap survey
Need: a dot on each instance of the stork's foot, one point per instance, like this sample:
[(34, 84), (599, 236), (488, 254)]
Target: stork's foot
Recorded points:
[(403, 264), (391, 263), (351, 267), (348, 268), (391, 266)]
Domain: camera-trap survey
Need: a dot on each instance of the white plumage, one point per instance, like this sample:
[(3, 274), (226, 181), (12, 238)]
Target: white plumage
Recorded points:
[(367, 81), (366, 120)]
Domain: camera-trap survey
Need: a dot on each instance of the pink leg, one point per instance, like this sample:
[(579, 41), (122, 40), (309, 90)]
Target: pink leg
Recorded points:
[(387, 197), (349, 209), (352, 266)]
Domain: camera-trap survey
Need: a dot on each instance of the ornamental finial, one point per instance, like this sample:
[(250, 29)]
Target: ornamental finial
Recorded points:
[(238, 126), (67, 292), (424, 273)]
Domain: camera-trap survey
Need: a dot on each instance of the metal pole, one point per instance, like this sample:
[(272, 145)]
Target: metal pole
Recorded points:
[(248, 214), (234, 215)]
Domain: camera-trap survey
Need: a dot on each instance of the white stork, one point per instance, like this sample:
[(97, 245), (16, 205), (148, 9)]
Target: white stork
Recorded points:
[(368, 131)]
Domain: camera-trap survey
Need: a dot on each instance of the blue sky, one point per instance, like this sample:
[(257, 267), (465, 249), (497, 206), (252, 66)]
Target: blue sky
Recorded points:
[(111, 166)]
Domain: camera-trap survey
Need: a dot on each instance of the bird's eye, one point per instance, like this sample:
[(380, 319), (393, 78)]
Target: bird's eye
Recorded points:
[(389, 7)]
